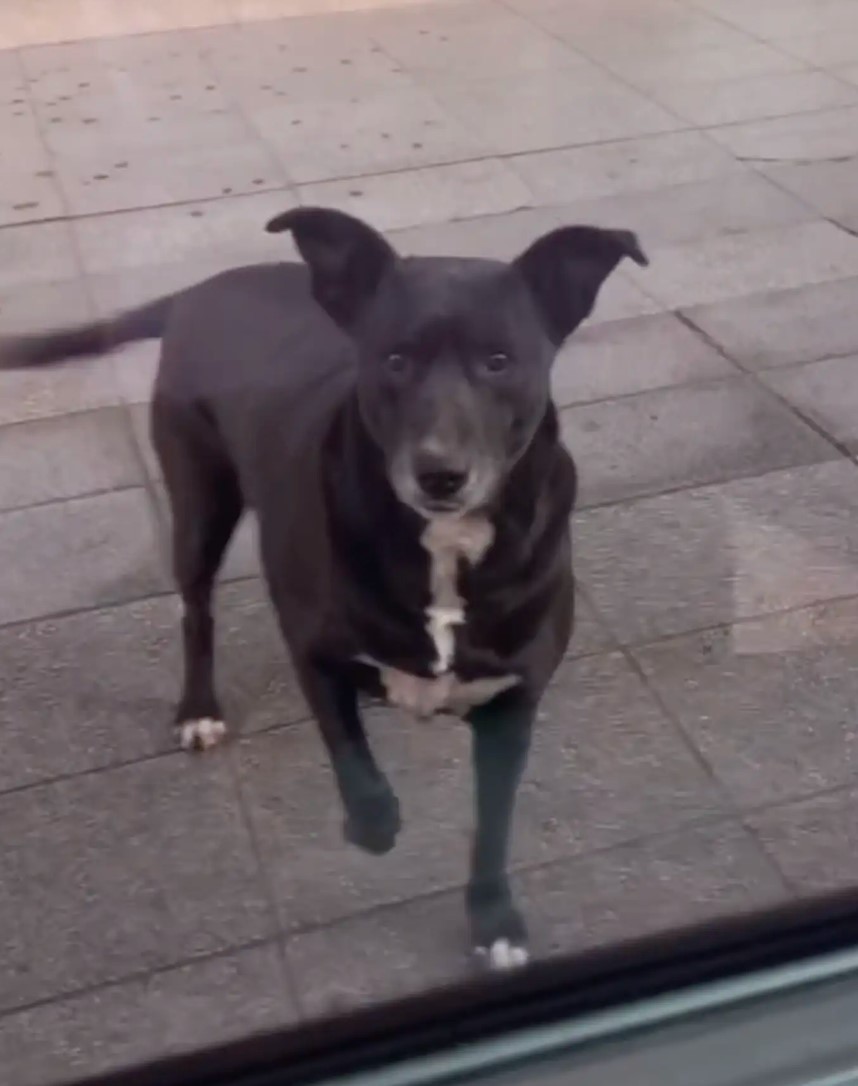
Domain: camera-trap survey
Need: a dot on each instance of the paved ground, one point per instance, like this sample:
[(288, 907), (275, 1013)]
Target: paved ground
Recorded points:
[(697, 755)]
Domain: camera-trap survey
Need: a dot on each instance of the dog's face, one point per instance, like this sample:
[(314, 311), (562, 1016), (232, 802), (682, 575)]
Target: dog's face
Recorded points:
[(454, 354)]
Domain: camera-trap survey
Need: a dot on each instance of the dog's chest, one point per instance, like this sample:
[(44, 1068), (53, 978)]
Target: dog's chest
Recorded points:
[(448, 542)]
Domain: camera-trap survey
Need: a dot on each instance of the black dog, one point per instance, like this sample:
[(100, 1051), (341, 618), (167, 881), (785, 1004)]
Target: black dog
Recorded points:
[(390, 421)]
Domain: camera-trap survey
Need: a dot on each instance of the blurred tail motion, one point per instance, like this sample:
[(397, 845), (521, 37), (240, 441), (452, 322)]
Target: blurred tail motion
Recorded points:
[(47, 348)]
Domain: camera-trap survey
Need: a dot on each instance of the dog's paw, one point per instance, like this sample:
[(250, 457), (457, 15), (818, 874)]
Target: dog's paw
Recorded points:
[(503, 954), (202, 734), (373, 822), (498, 932)]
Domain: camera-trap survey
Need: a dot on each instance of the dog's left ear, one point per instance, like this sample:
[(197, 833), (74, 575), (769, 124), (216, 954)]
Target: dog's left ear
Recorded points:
[(566, 268), (346, 257)]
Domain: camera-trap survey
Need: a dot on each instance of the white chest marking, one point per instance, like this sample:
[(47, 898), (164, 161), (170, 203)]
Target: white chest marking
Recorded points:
[(444, 694), (447, 540)]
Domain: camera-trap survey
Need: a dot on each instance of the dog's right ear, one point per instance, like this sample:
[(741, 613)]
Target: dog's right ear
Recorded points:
[(346, 257)]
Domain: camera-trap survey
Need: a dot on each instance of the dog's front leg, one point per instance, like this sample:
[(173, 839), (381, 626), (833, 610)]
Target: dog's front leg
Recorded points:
[(371, 807), (501, 740)]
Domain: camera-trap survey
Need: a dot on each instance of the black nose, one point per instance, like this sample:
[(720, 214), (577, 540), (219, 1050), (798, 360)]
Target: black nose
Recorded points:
[(441, 483)]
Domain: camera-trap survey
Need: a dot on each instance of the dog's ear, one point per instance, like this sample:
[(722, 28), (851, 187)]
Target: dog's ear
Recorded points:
[(346, 257), (565, 269)]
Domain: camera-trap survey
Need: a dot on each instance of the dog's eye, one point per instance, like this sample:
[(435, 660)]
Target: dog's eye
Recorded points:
[(496, 363), (397, 364)]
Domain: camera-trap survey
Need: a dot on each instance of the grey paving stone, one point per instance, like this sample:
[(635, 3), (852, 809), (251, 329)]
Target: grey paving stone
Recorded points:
[(67, 457), (154, 56), (95, 689), (813, 841), (823, 134), (124, 871), (28, 395), (606, 766), (95, 182), (827, 186), (684, 436), (828, 49), (41, 252), (775, 21), (496, 237), (599, 739), (785, 326), (849, 72), (366, 133), (30, 192), (658, 884), (619, 894), (620, 298), (381, 955), (432, 194), (623, 166), (217, 233), (700, 558), (296, 60), (534, 111), (33, 306), (679, 213), (152, 122), (658, 64), (87, 691), (620, 357), (826, 392), (179, 1010), (478, 45), (87, 552), (127, 287), (753, 98), (663, 28), (590, 635), (770, 704), (730, 266)]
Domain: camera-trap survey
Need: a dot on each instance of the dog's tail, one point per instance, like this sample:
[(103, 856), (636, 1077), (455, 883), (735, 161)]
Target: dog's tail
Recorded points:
[(100, 337)]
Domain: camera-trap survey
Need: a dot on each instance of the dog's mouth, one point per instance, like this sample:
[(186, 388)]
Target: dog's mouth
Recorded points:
[(435, 507)]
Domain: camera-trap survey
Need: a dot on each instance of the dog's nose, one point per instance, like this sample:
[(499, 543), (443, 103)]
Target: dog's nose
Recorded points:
[(440, 483)]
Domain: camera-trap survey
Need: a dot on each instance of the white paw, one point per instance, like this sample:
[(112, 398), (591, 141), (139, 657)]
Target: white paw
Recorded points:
[(201, 734), (503, 955)]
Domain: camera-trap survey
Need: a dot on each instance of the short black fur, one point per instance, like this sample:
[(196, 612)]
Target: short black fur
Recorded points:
[(358, 403)]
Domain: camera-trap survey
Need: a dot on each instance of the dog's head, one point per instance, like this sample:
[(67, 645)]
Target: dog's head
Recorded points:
[(454, 354)]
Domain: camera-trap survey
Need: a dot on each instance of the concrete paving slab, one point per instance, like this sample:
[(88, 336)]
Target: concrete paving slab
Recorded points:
[(812, 841), (54, 725), (67, 457), (618, 358), (607, 897), (769, 704), (757, 261), (779, 541), (785, 326), (824, 392), (82, 553), (685, 436), (138, 890), (433, 194), (175, 1011)]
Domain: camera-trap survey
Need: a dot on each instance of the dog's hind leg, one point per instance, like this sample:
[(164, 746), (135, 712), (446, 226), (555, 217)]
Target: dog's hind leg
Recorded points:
[(206, 505)]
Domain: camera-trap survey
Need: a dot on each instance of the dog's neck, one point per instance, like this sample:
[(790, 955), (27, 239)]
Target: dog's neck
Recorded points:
[(407, 572)]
